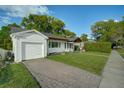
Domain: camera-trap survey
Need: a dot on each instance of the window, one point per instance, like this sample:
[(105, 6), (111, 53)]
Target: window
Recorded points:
[(49, 44), (54, 44), (69, 45), (59, 44), (65, 45)]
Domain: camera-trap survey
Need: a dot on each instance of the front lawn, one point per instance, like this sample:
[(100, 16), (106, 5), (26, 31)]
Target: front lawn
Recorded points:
[(121, 52), (17, 76), (91, 61)]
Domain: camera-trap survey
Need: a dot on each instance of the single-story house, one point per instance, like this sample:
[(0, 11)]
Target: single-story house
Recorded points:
[(33, 44)]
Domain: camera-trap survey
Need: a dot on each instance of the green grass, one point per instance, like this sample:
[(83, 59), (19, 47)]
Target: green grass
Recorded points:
[(16, 76), (121, 52), (122, 55), (91, 61)]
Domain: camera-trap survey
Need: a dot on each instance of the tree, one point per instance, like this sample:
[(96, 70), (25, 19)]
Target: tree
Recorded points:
[(121, 30), (84, 37), (57, 26), (42, 23), (5, 39), (45, 23), (68, 33), (106, 31)]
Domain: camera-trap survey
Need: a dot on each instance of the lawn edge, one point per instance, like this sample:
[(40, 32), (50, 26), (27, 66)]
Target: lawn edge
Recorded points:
[(32, 75)]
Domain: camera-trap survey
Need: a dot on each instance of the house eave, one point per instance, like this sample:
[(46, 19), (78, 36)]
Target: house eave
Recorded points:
[(52, 38)]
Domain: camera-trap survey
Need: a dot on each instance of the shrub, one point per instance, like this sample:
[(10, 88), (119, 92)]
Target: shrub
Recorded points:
[(9, 56), (76, 48), (98, 46), (1, 64)]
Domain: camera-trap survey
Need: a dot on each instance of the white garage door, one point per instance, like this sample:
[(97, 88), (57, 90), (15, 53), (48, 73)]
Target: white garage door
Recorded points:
[(32, 50)]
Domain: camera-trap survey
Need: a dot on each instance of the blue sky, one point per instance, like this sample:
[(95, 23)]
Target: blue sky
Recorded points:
[(77, 18)]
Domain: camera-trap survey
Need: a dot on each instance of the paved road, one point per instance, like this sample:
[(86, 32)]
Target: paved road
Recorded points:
[(58, 75), (113, 74)]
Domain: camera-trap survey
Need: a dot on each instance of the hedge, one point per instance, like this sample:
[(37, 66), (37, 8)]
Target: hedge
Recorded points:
[(98, 46)]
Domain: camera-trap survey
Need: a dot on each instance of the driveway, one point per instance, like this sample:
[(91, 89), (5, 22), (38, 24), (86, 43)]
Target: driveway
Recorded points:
[(52, 74)]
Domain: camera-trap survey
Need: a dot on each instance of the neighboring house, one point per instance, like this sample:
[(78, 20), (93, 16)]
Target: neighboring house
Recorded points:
[(32, 44)]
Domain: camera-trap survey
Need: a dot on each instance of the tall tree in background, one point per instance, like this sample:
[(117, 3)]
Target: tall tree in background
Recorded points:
[(57, 26), (68, 33), (44, 23), (106, 30), (84, 37), (5, 39), (121, 30)]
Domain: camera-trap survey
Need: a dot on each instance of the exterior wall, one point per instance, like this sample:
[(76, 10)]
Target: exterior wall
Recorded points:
[(77, 44), (16, 49), (59, 49), (68, 49), (81, 44), (37, 39), (17, 45), (18, 42)]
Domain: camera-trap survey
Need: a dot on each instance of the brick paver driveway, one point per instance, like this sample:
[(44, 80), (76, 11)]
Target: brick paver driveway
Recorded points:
[(54, 74)]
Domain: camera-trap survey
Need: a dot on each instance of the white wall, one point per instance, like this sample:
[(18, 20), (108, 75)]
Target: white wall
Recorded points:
[(59, 49), (34, 37), (68, 49), (81, 44)]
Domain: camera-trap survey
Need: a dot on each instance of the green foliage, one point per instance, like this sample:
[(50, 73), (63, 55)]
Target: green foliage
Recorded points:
[(45, 23), (42, 23), (68, 33), (98, 46), (84, 37), (1, 63), (76, 48), (105, 30), (16, 76), (109, 31), (121, 51), (5, 39)]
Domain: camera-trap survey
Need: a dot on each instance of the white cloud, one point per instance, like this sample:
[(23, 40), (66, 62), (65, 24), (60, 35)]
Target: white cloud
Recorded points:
[(23, 11), (105, 20), (108, 20), (5, 20), (116, 20)]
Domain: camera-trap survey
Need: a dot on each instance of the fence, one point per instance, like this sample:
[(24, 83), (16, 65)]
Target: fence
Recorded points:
[(3, 53)]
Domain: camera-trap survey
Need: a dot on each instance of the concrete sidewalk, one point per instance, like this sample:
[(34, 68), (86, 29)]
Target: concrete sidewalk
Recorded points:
[(113, 74)]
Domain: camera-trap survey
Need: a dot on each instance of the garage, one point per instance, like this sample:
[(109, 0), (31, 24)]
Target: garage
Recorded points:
[(28, 45), (32, 50)]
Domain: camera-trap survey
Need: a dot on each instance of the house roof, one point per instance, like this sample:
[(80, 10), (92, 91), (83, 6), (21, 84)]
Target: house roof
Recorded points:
[(52, 36), (21, 32), (74, 39)]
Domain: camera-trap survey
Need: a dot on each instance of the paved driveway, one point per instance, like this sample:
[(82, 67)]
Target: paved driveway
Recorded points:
[(54, 74)]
